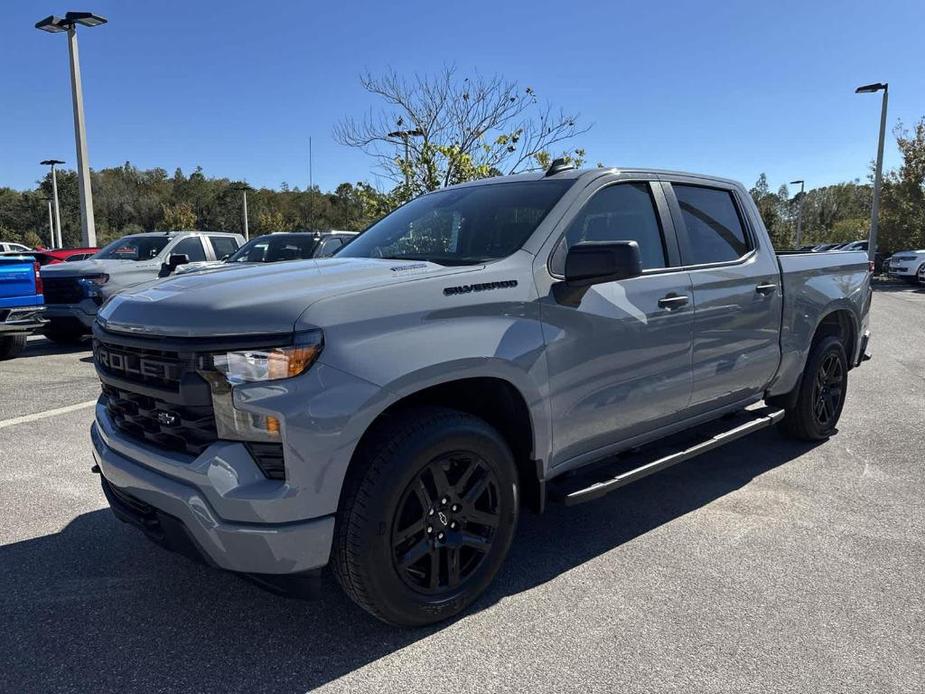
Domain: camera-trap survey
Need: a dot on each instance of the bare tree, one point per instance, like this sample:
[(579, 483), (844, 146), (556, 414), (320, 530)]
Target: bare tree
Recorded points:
[(436, 130)]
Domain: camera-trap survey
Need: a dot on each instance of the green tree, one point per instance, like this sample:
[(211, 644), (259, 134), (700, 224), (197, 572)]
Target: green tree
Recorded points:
[(902, 204), (178, 217)]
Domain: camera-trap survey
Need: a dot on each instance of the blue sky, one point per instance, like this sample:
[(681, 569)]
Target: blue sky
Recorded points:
[(732, 88)]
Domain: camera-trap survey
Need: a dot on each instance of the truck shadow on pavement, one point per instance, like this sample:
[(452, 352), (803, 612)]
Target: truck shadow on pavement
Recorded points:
[(96, 607)]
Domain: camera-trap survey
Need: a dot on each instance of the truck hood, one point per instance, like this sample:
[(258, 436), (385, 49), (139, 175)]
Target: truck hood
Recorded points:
[(82, 268), (258, 299)]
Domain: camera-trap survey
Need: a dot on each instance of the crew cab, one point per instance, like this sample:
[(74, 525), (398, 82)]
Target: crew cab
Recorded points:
[(75, 290), (20, 302), (490, 345)]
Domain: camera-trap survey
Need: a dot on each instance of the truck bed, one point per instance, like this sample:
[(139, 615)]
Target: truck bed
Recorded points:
[(814, 284)]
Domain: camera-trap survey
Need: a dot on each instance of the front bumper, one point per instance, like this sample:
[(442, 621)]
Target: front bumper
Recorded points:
[(171, 509), (18, 321)]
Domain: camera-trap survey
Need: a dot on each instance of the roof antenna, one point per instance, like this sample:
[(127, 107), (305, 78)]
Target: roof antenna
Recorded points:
[(558, 166)]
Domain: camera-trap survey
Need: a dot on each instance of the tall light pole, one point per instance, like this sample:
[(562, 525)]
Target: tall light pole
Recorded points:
[(799, 215), (69, 24), (56, 240), (406, 135), (51, 224), (243, 187), (878, 172)]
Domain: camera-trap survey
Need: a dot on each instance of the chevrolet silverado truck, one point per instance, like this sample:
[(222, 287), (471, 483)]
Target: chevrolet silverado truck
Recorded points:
[(21, 303), (74, 291), (497, 344)]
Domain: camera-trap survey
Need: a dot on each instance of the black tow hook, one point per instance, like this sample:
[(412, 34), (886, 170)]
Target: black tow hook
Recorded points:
[(95, 469)]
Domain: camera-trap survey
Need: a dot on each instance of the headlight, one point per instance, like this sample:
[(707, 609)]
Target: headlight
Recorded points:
[(254, 365)]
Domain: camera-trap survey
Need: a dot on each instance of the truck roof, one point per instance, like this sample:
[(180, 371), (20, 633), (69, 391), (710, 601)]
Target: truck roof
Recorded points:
[(172, 233), (591, 173)]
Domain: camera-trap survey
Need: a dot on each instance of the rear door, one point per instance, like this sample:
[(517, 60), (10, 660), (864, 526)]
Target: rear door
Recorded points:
[(737, 297), (619, 353)]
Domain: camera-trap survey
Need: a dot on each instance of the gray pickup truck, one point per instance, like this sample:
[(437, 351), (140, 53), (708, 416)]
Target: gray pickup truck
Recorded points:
[(486, 346), (74, 291)]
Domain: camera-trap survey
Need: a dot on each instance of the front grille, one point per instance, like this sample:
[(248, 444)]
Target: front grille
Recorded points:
[(183, 429), (157, 397), (62, 290), (160, 397)]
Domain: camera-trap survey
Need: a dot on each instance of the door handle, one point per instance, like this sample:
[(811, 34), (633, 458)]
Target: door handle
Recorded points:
[(672, 301), (766, 288)]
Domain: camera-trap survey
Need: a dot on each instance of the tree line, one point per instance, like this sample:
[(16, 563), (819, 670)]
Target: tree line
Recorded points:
[(432, 131)]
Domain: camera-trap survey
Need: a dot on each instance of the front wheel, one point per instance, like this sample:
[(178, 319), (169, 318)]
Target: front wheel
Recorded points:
[(427, 517), (822, 393)]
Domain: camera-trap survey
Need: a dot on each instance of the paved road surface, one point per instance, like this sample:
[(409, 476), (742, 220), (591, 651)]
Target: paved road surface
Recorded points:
[(764, 566)]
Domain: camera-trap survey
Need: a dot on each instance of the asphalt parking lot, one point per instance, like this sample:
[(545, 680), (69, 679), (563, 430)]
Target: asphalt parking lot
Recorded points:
[(764, 566)]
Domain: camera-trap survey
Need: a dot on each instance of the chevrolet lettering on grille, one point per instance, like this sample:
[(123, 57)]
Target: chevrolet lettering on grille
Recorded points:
[(131, 364)]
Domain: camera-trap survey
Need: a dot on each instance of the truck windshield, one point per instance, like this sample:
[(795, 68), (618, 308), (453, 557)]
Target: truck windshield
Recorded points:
[(460, 226), (273, 248), (133, 248)]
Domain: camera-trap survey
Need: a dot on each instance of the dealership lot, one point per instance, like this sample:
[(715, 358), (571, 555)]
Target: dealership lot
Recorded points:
[(768, 565)]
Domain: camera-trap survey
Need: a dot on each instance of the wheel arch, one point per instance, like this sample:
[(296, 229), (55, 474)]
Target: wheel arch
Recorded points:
[(497, 400)]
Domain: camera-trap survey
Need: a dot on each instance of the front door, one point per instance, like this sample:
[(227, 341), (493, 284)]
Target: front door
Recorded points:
[(618, 353)]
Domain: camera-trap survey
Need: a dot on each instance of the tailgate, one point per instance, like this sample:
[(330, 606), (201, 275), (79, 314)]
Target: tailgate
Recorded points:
[(17, 282)]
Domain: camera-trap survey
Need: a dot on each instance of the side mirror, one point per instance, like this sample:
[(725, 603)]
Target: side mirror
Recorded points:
[(594, 262), (174, 261)]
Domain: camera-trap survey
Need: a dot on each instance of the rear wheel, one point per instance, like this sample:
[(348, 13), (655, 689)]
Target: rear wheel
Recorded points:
[(822, 393), (427, 518), (11, 345)]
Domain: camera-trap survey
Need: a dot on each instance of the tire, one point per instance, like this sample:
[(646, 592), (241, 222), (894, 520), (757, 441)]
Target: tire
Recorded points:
[(822, 392), (63, 336), (384, 556), (11, 345)]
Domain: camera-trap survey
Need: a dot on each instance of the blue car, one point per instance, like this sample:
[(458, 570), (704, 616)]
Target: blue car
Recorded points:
[(21, 303)]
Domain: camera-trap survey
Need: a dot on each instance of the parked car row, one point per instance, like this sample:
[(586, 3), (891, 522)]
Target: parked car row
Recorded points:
[(74, 291)]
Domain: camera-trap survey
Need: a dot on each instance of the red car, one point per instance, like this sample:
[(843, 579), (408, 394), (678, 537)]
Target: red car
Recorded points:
[(59, 255)]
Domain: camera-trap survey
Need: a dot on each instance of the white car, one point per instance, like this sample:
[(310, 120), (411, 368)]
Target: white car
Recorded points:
[(9, 246), (907, 265)]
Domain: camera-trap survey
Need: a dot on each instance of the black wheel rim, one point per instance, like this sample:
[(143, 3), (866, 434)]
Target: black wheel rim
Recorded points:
[(446, 523), (828, 390)]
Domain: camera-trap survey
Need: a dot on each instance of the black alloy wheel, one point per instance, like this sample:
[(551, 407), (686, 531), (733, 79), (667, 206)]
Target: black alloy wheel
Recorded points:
[(445, 523)]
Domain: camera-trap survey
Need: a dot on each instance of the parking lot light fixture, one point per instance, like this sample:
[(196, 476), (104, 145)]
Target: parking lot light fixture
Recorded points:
[(243, 187), (68, 23), (56, 240), (799, 240), (51, 224), (878, 172)]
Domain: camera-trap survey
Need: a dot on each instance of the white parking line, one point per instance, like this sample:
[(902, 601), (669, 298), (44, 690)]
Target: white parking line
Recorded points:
[(46, 413)]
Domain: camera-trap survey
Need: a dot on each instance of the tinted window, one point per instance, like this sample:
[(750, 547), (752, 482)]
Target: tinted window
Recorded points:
[(329, 247), (274, 248), (191, 247), (134, 248), (223, 246), (714, 228), (460, 226), (623, 212)]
